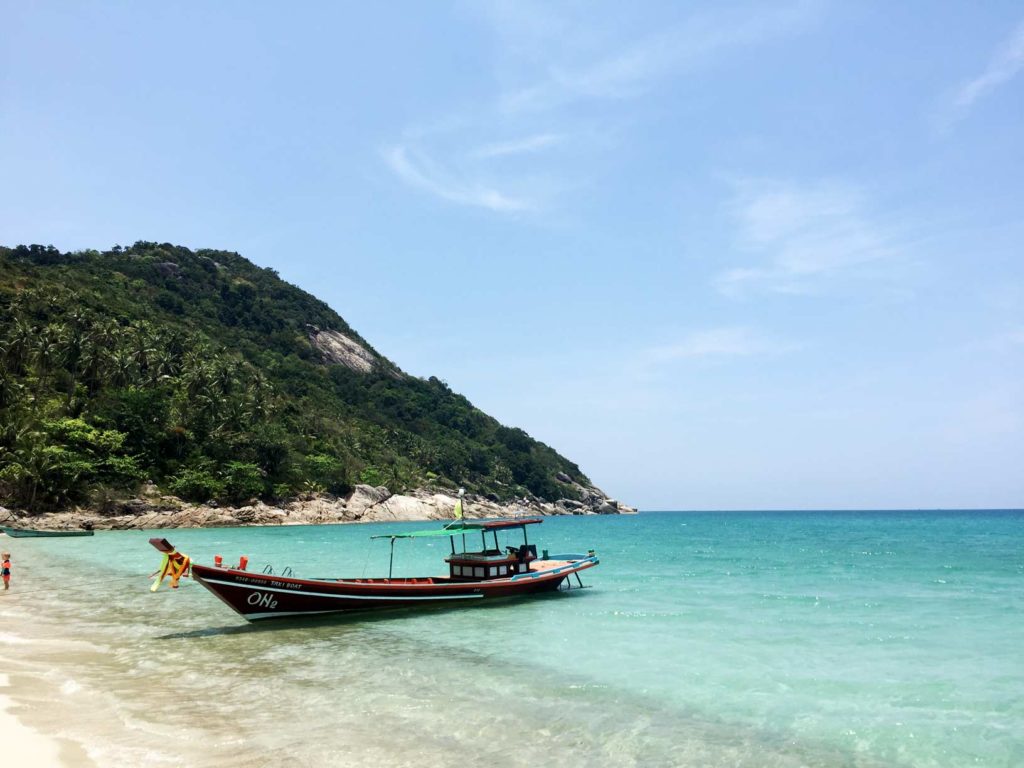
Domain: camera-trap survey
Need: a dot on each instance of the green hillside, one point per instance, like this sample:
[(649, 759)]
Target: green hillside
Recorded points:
[(216, 379)]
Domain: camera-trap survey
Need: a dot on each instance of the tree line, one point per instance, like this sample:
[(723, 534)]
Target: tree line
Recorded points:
[(194, 370)]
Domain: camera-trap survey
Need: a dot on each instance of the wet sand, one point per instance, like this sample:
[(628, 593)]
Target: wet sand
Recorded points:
[(20, 743), (23, 746)]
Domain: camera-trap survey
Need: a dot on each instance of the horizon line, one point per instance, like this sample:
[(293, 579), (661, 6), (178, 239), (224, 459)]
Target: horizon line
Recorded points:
[(838, 509)]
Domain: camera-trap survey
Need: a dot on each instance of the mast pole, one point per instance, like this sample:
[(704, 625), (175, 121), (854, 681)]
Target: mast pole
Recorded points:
[(462, 514)]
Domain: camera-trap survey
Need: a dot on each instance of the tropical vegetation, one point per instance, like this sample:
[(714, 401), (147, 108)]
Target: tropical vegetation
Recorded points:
[(195, 370)]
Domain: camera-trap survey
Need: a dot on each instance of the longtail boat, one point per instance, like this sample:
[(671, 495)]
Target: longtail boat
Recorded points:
[(24, 533), (473, 576)]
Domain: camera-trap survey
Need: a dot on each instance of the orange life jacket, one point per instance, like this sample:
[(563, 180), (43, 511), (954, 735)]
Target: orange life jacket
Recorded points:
[(174, 565)]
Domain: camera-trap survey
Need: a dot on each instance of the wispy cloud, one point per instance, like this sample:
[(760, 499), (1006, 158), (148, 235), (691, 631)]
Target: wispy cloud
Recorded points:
[(552, 57), (522, 146), (1005, 64), (633, 69), (418, 170), (718, 343), (802, 233)]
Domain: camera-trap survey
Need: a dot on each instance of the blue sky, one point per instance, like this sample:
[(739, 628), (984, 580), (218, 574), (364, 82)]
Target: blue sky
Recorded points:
[(724, 256)]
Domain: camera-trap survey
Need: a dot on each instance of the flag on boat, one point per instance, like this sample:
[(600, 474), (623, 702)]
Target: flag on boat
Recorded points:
[(458, 509)]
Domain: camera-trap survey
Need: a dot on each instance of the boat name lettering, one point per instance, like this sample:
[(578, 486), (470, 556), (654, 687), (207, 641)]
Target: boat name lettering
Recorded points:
[(284, 585), (267, 583), (262, 600)]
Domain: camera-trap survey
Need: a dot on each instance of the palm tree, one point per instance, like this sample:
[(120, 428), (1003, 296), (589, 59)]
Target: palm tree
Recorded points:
[(258, 397), (9, 387), (29, 464), (165, 365), (18, 343), (47, 351), (95, 354), (122, 368), (75, 339), (143, 347), (224, 377), (197, 377), (233, 414)]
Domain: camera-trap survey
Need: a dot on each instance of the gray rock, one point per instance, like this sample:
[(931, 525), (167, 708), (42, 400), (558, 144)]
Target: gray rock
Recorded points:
[(364, 497), (406, 508), (365, 503), (335, 347), (132, 507)]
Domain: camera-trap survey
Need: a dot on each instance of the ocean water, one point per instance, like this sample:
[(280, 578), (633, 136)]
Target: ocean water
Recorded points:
[(705, 639)]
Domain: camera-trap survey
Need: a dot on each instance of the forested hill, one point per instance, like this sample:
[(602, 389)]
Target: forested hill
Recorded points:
[(216, 379)]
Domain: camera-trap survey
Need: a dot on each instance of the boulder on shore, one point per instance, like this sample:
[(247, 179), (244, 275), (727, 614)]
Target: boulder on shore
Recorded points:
[(366, 503)]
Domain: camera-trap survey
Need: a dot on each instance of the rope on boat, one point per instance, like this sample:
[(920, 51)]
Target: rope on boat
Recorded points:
[(14, 592), (366, 562)]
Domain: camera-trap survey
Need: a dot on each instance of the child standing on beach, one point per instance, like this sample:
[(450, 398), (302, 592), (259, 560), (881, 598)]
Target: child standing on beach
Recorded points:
[(5, 569)]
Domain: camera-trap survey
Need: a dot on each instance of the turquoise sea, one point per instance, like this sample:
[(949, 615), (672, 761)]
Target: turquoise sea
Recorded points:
[(705, 639)]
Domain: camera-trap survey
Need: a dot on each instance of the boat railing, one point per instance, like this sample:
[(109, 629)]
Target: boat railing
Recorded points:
[(268, 570)]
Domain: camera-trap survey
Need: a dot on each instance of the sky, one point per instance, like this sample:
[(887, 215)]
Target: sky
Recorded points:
[(722, 255)]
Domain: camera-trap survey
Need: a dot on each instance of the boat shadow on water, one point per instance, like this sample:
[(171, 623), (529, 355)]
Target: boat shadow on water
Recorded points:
[(367, 617)]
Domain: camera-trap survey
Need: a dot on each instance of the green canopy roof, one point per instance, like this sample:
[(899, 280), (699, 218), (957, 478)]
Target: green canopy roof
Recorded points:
[(457, 529)]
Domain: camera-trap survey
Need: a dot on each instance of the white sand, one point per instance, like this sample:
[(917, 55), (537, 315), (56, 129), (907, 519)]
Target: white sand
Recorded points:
[(20, 746)]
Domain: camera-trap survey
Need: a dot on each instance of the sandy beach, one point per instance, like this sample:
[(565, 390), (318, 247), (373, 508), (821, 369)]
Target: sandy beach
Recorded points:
[(24, 747)]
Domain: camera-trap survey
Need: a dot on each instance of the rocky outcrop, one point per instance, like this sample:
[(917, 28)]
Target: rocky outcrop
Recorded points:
[(336, 347), (592, 500), (364, 498), (364, 504)]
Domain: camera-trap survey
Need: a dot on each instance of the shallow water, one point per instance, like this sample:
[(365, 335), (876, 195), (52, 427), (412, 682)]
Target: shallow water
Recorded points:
[(708, 639)]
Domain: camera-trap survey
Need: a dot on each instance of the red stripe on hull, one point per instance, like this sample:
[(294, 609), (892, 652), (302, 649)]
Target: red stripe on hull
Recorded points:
[(260, 596)]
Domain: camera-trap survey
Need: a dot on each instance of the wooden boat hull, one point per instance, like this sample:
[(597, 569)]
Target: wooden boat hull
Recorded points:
[(26, 533), (257, 596)]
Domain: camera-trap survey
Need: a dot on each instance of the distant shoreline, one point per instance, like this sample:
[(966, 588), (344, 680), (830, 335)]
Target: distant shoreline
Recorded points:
[(365, 504)]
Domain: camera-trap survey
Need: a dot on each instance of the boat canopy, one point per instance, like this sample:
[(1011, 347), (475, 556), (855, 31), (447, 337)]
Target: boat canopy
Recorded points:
[(459, 528)]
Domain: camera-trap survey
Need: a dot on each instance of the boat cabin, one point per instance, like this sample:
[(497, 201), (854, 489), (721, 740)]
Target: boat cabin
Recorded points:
[(489, 561)]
